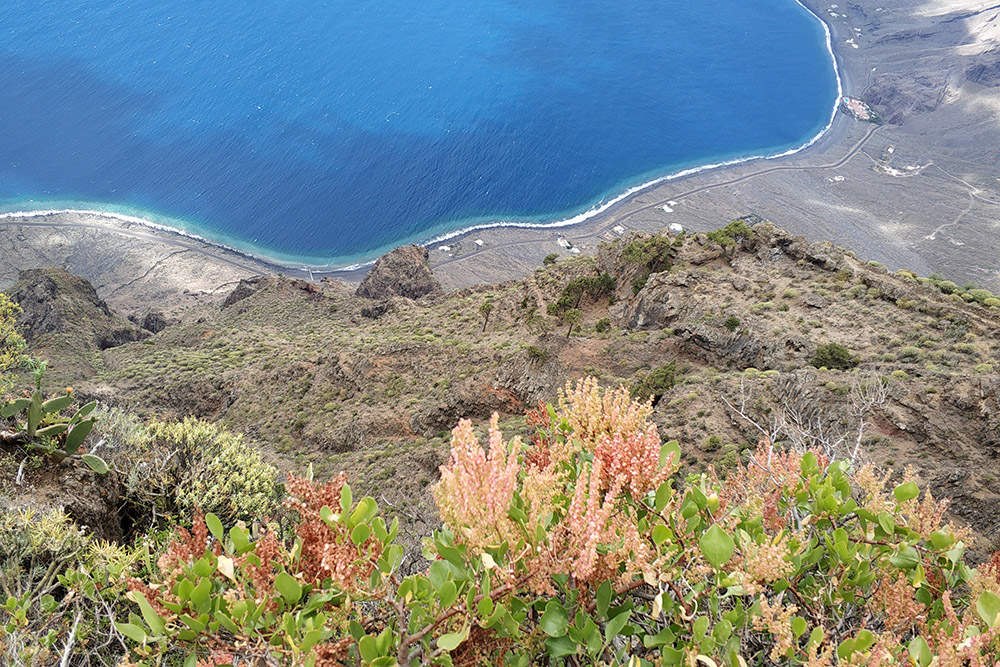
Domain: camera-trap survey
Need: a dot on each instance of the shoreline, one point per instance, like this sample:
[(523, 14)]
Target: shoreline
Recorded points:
[(113, 218), (916, 193)]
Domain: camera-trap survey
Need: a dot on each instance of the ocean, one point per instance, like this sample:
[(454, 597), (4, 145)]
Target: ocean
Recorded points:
[(324, 132)]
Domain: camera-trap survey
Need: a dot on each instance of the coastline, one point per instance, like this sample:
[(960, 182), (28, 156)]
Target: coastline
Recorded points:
[(825, 189), (303, 266)]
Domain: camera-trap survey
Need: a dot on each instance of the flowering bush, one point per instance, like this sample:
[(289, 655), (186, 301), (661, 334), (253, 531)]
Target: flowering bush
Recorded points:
[(581, 547)]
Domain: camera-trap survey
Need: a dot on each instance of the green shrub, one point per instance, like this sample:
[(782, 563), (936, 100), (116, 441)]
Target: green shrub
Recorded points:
[(857, 291), (992, 302), (731, 233), (790, 293), (911, 354), (536, 353), (657, 382), (732, 323), (947, 286), (603, 325), (833, 355), (980, 295), (176, 467)]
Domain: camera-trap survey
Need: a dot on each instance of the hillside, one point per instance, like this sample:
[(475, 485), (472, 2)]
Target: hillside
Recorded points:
[(720, 328)]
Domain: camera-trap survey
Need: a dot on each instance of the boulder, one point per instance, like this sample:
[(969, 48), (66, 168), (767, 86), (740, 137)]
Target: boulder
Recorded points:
[(405, 271)]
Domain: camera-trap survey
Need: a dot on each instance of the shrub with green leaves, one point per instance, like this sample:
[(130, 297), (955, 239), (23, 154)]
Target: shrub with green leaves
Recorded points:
[(582, 547), (731, 233), (657, 382), (216, 471), (833, 355)]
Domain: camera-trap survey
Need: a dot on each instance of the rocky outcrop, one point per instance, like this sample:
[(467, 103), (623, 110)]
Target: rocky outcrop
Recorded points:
[(90, 499), (987, 71), (653, 307), (247, 287), (154, 321), (404, 271), (55, 302)]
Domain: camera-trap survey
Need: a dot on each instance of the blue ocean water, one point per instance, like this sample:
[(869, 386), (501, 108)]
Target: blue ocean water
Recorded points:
[(322, 131)]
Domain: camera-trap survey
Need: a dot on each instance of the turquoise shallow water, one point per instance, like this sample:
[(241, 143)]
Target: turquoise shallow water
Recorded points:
[(323, 131)]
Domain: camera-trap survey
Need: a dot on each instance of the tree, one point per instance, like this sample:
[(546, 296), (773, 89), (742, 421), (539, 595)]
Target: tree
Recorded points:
[(485, 311), (573, 316)]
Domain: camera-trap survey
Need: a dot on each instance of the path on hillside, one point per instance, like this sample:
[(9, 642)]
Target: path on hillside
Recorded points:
[(613, 220)]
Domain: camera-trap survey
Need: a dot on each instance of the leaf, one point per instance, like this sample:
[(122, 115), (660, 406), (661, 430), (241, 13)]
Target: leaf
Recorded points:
[(241, 542), (57, 404), (799, 626), (448, 594), (657, 606), (214, 526), (367, 648), (153, 620), (327, 515), (988, 607), (312, 638), (12, 408), (906, 558), (603, 598), (95, 463), (886, 522), (50, 431), (864, 641), (226, 568), (360, 533), (75, 437), (560, 646), (920, 652), (451, 641), (133, 632), (346, 500), (34, 413), (717, 546), (615, 625), (660, 534), (906, 491), (84, 411), (363, 512), (555, 620), (670, 449), (288, 587)]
